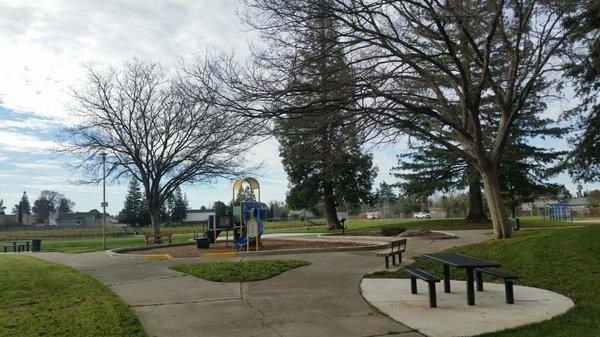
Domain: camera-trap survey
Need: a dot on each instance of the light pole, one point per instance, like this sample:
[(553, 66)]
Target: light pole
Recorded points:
[(104, 203)]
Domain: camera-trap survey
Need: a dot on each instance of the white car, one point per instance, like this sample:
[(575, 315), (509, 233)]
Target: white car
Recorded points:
[(422, 215)]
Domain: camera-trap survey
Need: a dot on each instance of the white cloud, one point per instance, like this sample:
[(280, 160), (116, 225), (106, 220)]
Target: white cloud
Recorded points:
[(19, 142), (42, 165)]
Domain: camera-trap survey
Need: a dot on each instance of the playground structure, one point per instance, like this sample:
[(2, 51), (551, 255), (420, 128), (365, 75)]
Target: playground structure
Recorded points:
[(246, 219), (558, 212)]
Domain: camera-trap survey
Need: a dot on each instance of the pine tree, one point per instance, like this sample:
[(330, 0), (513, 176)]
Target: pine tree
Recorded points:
[(133, 205), (584, 161), (178, 207), (2, 207), (321, 151), (22, 208)]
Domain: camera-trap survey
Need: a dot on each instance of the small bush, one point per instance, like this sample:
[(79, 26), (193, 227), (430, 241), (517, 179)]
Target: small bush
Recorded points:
[(392, 230)]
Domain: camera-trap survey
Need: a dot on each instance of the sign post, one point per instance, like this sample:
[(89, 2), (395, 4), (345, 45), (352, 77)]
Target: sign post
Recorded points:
[(252, 233)]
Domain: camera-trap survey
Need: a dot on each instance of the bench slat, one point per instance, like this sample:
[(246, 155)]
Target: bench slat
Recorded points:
[(421, 274), (497, 273)]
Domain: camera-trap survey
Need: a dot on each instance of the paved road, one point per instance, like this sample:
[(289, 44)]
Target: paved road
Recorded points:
[(322, 299)]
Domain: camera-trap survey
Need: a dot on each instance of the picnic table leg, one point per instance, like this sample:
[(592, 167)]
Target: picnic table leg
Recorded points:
[(446, 278), (27, 245), (413, 284), (470, 287)]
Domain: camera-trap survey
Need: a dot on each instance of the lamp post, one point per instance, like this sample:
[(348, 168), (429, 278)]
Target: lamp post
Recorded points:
[(104, 203)]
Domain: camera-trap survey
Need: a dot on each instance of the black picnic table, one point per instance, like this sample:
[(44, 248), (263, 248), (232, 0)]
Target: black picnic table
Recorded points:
[(461, 261), (15, 242)]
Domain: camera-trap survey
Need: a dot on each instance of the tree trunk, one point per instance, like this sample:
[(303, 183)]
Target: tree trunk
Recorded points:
[(500, 221), (476, 213), (330, 212), (154, 210)]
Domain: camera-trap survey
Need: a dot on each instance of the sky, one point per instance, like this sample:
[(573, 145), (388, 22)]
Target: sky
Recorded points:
[(45, 49)]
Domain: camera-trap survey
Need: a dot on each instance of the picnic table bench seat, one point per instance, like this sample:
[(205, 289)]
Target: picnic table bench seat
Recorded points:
[(508, 278), (397, 247), (416, 273)]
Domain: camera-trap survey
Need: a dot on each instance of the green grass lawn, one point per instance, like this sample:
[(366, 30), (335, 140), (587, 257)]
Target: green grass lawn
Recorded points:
[(66, 241), (246, 271), (366, 225), (95, 244), (565, 261), (39, 298)]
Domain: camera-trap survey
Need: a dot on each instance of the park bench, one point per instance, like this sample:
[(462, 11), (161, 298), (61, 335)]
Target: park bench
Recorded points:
[(397, 247), (431, 280), (507, 277), (150, 237)]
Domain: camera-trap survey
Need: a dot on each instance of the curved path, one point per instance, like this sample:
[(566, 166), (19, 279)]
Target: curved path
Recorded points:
[(322, 299)]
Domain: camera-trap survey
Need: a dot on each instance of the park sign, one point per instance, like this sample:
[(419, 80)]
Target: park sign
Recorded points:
[(252, 228)]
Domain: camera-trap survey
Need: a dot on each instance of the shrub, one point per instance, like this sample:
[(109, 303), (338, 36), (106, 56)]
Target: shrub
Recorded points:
[(392, 230)]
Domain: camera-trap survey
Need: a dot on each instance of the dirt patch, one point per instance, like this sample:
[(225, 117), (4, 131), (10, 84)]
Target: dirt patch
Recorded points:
[(267, 244)]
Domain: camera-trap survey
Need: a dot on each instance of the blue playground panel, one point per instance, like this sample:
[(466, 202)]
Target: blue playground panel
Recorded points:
[(251, 209)]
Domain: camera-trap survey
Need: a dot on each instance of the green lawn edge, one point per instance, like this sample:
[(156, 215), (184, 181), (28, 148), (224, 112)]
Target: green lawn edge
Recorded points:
[(561, 260), (244, 271), (40, 298)]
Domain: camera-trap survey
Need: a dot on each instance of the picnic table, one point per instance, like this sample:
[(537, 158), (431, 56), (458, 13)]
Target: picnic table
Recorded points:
[(465, 262), (18, 245)]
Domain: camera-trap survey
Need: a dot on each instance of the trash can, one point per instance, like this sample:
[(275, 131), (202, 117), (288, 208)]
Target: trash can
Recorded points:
[(516, 224), (203, 243), (36, 245)]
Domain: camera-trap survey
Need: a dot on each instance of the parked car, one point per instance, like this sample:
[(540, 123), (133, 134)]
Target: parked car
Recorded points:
[(422, 215)]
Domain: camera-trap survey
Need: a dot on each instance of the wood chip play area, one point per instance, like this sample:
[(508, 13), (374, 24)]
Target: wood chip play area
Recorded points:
[(266, 245)]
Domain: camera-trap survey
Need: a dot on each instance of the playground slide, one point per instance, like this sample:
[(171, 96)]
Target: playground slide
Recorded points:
[(241, 241)]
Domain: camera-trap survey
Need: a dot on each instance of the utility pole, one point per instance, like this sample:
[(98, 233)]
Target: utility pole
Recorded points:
[(104, 203)]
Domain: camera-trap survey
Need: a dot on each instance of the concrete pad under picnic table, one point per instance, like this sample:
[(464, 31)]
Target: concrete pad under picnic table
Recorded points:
[(453, 317)]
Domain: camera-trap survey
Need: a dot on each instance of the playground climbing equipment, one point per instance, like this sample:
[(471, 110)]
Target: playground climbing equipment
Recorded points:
[(246, 219), (558, 212)]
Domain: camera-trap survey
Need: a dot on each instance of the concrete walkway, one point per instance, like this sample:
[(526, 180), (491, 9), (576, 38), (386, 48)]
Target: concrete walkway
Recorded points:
[(322, 299)]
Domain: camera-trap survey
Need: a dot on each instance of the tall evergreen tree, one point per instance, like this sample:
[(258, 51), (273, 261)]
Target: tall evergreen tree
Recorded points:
[(322, 152), (132, 212), (2, 207), (584, 162), (178, 207), (22, 208)]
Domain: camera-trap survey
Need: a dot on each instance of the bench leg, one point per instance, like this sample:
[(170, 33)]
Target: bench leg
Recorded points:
[(510, 295), (387, 262), (400, 258), (479, 280), (393, 260), (413, 284), (470, 287), (432, 295), (446, 278)]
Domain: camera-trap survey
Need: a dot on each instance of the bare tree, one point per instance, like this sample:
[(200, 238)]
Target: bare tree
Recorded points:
[(154, 129), (456, 72)]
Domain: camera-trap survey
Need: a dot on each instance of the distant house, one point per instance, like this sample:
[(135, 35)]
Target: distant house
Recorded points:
[(197, 215), (75, 219)]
